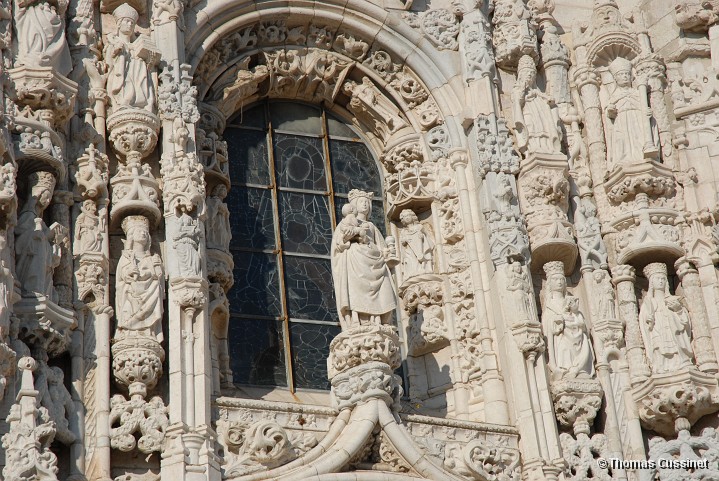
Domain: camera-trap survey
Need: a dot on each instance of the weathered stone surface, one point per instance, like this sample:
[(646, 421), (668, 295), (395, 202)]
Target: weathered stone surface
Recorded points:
[(541, 294)]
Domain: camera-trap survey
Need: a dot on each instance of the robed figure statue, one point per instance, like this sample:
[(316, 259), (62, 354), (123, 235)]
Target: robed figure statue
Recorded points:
[(140, 283), (364, 290)]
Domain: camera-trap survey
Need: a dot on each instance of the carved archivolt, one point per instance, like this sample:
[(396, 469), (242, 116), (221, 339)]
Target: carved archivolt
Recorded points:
[(317, 64)]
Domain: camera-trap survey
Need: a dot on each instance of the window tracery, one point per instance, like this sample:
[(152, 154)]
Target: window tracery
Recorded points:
[(291, 167)]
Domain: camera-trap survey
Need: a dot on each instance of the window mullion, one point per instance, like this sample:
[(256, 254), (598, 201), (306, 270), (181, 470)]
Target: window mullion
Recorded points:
[(328, 170), (280, 251)]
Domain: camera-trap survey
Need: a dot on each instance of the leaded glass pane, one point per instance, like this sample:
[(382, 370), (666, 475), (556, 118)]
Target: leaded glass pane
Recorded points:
[(338, 128), (310, 294), (294, 117), (310, 348), (353, 168), (305, 223), (376, 217), (256, 290), (300, 162), (247, 152), (251, 218), (253, 117), (257, 352), (273, 294)]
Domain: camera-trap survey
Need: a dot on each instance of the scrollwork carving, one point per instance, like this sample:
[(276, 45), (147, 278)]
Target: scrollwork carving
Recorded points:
[(136, 416), (259, 446)]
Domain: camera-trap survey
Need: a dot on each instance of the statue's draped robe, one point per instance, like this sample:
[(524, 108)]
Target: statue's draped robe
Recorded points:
[(128, 81), (139, 294), (41, 36), (573, 350), (668, 344), (34, 257), (363, 283), (627, 136)]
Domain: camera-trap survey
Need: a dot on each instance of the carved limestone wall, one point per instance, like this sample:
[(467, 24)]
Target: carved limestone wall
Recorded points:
[(545, 296)]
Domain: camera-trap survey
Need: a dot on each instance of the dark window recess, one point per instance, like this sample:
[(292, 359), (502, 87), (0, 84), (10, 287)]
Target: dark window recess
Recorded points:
[(291, 167)]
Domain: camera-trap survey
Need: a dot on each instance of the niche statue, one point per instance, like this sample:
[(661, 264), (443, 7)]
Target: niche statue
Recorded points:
[(40, 27), (140, 283), (38, 247), (130, 61), (569, 348), (664, 322), (417, 245), (363, 284)]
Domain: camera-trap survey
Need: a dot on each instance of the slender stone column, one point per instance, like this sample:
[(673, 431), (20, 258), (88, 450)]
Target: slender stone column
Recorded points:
[(701, 334), (623, 278), (495, 396), (588, 84)]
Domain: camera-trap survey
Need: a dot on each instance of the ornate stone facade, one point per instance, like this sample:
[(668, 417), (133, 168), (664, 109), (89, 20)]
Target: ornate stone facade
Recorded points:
[(541, 296)]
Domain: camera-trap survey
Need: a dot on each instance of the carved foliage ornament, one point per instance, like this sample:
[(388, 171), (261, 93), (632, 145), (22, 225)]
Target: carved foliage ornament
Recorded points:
[(259, 446), (363, 344), (313, 73), (128, 417), (440, 26), (31, 432), (514, 32)]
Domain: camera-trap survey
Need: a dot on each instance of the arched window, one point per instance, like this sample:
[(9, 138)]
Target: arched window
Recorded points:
[(291, 167)]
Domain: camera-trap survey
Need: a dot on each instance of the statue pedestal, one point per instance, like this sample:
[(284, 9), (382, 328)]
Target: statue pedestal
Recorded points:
[(669, 403), (361, 366), (374, 380), (42, 88), (647, 234), (133, 133), (544, 193), (135, 192), (576, 402), (423, 299), (44, 324), (137, 364)]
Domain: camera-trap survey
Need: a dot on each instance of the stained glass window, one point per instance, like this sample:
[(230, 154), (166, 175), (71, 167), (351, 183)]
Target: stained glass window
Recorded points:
[(291, 166)]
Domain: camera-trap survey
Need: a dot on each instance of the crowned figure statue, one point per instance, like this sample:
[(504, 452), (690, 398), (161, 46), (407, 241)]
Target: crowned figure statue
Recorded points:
[(665, 325), (139, 286), (568, 345), (364, 290)]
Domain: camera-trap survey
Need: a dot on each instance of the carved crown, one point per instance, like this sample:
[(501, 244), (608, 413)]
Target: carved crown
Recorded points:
[(133, 221), (356, 194), (655, 268), (554, 268)]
